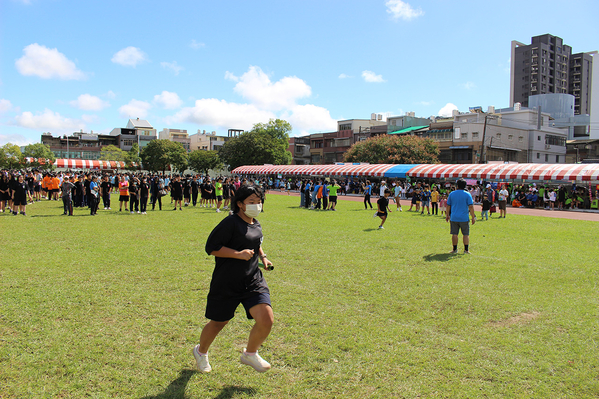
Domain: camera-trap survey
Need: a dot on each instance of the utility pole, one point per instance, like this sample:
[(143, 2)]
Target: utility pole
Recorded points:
[(483, 158)]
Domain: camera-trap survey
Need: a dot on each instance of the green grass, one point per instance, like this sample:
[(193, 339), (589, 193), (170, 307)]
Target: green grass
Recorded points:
[(111, 306)]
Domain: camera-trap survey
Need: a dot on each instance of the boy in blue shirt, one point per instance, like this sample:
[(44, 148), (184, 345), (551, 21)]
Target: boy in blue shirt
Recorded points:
[(459, 207)]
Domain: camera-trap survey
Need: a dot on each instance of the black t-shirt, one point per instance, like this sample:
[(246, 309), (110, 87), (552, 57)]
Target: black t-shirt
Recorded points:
[(30, 180), (383, 203), (194, 186), (236, 277), (177, 188), (106, 186), (144, 189), (132, 188), (20, 190)]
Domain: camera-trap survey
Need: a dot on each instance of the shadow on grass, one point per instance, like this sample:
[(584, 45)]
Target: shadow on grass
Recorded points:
[(438, 257), (176, 389), (372, 229), (231, 391)]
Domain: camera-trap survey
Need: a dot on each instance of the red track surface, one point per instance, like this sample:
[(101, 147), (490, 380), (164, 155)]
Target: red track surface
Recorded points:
[(574, 215)]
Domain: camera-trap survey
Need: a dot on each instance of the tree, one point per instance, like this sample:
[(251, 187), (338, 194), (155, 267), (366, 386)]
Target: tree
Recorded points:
[(202, 161), (112, 153), (132, 158), (160, 154), (394, 150), (43, 157), (11, 156), (265, 143)]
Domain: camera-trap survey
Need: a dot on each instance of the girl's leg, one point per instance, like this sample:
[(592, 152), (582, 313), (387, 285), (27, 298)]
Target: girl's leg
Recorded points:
[(383, 218), (264, 317), (209, 333)]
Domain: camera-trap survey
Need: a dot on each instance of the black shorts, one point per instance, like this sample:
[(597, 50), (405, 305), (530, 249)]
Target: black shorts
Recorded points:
[(124, 198), (381, 214), (333, 198), (177, 197), (223, 309), (19, 201), (219, 197), (37, 188)]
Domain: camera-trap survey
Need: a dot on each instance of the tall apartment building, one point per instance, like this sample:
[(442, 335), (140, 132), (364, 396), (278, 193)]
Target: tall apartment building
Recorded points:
[(177, 135), (547, 66)]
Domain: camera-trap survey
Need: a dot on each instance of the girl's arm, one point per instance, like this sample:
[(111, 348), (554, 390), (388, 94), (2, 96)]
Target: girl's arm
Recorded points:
[(226, 252)]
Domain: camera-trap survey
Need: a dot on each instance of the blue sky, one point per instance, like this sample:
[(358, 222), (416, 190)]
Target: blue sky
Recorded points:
[(214, 65)]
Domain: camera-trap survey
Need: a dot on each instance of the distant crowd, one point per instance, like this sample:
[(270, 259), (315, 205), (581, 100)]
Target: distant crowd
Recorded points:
[(138, 190)]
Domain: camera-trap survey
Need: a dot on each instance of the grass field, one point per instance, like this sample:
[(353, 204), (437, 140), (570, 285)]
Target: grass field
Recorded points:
[(110, 307)]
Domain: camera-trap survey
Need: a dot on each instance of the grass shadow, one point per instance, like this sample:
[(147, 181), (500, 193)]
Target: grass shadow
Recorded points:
[(438, 257), (231, 391), (176, 389), (371, 229)]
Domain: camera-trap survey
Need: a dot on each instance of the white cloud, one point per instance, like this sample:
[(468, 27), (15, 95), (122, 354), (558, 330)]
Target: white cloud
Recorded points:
[(468, 85), (168, 100), (196, 45), (402, 10), (372, 77), (47, 63), (220, 113), (447, 109), (309, 118), (48, 121), (110, 94), (129, 56), (256, 86), (344, 76), (87, 102), (5, 105), (134, 109), (173, 66), (231, 76)]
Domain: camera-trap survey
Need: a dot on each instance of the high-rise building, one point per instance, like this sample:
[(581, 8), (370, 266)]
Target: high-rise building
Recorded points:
[(547, 66)]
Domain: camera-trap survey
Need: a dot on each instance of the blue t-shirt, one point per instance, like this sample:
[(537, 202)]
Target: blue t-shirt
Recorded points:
[(367, 190), (459, 200)]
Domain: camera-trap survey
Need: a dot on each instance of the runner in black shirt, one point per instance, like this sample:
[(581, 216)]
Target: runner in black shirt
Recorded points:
[(236, 245), (383, 207)]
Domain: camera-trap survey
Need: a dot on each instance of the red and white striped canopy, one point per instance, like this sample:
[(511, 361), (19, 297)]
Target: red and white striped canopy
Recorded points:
[(83, 164), (526, 171)]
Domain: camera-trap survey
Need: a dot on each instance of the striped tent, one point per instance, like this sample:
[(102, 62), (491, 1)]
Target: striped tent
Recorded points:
[(83, 164), (494, 171)]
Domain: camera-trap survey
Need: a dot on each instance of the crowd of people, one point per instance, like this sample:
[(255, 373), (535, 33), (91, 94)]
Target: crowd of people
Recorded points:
[(138, 191), (81, 190)]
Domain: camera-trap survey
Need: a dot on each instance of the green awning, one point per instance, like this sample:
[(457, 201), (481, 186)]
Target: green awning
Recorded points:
[(408, 129)]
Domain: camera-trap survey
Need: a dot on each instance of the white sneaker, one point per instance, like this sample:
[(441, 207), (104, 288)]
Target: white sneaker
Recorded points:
[(217, 210), (201, 361), (381, 227), (375, 214), (259, 364)]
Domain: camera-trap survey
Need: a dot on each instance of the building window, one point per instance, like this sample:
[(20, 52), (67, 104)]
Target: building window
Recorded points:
[(510, 137), (474, 135), (557, 159), (538, 138), (555, 140), (546, 157), (520, 139), (464, 136), (538, 155), (498, 136)]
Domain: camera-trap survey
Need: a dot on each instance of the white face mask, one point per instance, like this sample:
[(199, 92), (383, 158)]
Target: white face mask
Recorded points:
[(252, 210)]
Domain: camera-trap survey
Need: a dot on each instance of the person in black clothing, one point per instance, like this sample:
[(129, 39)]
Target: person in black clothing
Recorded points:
[(30, 180), (78, 198), (186, 191), (383, 207), (86, 193), (19, 195), (106, 187), (236, 244), (195, 186), (133, 194), (144, 190), (4, 192), (67, 188), (157, 186), (177, 192)]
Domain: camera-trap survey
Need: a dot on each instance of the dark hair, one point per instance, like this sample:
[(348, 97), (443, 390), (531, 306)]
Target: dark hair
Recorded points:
[(461, 184), (243, 193)]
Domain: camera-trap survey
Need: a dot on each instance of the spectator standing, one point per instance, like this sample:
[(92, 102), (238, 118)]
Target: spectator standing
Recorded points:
[(459, 207), (123, 194), (106, 188), (177, 192), (144, 191), (367, 191), (333, 188), (94, 195), (426, 200), (484, 215), (435, 201), (66, 188), (133, 195), (19, 196), (503, 196)]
